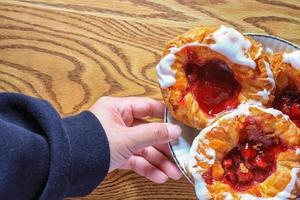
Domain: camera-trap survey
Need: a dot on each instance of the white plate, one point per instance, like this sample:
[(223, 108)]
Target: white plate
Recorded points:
[(180, 148)]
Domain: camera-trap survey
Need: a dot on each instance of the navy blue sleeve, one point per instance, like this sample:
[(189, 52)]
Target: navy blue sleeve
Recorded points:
[(45, 157)]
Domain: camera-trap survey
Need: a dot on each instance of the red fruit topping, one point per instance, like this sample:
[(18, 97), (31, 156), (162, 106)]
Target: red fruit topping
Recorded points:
[(253, 159), (288, 101), (249, 164), (297, 122), (207, 176), (231, 176), (244, 177), (286, 109), (260, 162), (236, 159), (260, 175), (212, 84), (248, 152), (227, 163), (295, 111)]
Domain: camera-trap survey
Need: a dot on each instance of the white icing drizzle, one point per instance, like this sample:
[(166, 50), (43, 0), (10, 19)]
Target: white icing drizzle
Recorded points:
[(298, 151), (203, 158), (233, 45), (228, 42), (196, 171), (258, 53), (293, 59), (211, 153), (174, 50), (205, 141), (227, 196), (166, 76), (269, 73), (276, 113), (286, 193), (269, 51), (254, 103), (202, 192), (209, 159), (266, 93)]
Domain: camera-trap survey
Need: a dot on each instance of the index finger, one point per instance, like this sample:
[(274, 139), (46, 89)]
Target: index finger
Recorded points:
[(142, 107)]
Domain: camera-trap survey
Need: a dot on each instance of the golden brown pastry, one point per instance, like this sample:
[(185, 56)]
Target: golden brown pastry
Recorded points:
[(208, 71), (286, 68), (251, 153)]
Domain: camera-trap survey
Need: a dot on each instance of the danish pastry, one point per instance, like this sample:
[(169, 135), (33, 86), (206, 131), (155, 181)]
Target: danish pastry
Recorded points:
[(250, 153), (286, 67), (208, 71)]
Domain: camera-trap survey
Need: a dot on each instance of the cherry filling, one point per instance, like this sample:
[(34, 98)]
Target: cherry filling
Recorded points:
[(252, 160), (213, 86), (288, 101)]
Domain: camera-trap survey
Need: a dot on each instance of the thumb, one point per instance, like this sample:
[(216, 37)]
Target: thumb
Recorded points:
[(153, 133)]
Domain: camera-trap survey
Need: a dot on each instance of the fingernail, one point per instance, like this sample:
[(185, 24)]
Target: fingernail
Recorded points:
[(174, 131)]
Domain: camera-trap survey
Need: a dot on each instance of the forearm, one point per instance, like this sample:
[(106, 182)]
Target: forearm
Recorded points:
[(45, 156)]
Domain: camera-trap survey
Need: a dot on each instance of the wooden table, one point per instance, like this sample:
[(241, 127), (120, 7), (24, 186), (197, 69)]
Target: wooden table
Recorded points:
[(73, 52)]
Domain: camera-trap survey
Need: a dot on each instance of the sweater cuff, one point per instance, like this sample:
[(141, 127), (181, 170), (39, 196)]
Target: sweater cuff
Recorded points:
[(90, 153)]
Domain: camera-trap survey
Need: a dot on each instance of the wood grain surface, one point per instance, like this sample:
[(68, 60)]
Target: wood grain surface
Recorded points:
[(72, 52)]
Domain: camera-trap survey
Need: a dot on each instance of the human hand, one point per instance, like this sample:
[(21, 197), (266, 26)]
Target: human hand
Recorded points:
[(134, 143)]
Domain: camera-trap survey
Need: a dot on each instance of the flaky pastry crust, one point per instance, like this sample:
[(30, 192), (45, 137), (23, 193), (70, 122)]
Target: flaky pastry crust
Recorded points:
[(284, 73), (182, 104), (223, 135)]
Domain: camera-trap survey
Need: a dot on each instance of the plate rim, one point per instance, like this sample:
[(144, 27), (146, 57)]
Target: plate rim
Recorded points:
[(173, 152), (273, 37)]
